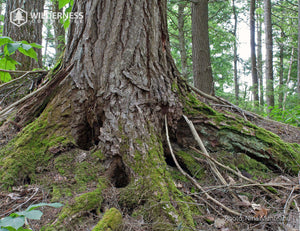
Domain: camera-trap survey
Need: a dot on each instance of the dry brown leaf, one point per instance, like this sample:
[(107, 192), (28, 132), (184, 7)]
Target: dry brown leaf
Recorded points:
[(261, 213)]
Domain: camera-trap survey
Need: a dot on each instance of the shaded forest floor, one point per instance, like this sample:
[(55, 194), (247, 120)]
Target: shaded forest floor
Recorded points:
[(266, 201)]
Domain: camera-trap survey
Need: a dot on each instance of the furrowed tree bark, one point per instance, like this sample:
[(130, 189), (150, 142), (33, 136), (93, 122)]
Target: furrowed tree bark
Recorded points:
[(122, 74), (203, 78), (30, 32)]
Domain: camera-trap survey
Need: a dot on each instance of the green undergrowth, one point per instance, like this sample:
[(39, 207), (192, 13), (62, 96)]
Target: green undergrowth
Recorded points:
[(235, 135)]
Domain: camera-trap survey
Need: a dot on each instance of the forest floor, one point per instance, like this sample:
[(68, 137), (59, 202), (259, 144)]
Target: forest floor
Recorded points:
[(269, 204)]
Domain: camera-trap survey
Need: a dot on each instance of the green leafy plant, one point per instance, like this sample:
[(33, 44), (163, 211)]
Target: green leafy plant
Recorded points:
[(8, 48), (16, 221), (68, 4)]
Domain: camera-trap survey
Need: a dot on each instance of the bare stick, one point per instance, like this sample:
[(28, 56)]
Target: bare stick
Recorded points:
[(14, 80), (14, 209), (200, 143), (12, 71), (10, 108), (233, 171), (193, 180), (204, 94)]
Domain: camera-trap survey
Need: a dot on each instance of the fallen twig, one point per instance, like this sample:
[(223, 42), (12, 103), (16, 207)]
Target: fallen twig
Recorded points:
[(12, 71), (10, 108), (193, 180), (20, 205), (234, 172), (200, 143)]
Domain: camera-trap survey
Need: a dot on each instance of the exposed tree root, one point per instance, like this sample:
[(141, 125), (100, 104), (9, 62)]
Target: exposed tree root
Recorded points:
[(286, 132)]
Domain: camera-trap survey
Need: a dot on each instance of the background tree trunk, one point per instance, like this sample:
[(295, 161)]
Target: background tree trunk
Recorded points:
[(298, 70), (203, 79), (59, 32), (259, 59), (281, 67), (253, 54), (235, 55), (30, 32), (269, 55), (182, 42)]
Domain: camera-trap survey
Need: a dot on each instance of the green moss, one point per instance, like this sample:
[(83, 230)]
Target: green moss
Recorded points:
[(29, 150), (253, 167), (77, 175), (193, 106), (191, 164), (83, 203), (153, 194), (59, 191), (175, 86), (111, 221), (238, 135), (99, 155)]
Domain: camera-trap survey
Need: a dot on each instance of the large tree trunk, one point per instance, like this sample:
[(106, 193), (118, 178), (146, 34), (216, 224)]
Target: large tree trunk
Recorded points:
[(122, 75), (203, 79), (253, 55), (30, 32), (269, 55)]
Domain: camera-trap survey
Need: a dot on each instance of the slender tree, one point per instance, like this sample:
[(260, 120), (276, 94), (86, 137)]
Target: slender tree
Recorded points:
[(281, 69), (259, 58), (298, 72), (59, 31), (235, 55), (30, 32), (182, 42), (203, 78), (269, 55), (253, 54)]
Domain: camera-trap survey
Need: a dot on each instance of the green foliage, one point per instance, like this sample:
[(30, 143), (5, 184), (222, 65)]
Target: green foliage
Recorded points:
[(68, 4), (9, 47), (289, 115), (220, 35), (221, 28), (16, 221)]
